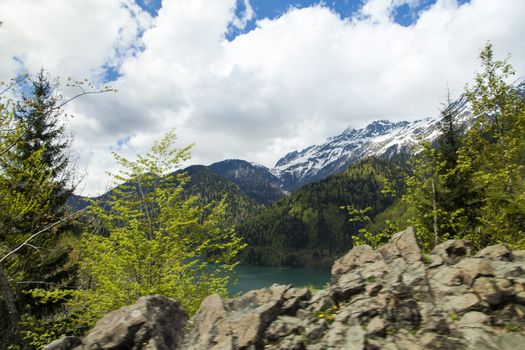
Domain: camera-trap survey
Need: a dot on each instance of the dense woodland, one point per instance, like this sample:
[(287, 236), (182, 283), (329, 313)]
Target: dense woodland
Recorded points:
[(161, 229), (312, 226)]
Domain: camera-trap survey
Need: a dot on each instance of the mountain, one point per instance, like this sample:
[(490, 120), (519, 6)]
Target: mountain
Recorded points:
[(381, 138), (261, 185), (256, 181), (209, 186), (310, 227)]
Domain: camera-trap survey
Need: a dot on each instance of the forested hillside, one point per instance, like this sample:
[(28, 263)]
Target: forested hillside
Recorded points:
[(210, 187), (312, 227), (255, 180), (207, 186)]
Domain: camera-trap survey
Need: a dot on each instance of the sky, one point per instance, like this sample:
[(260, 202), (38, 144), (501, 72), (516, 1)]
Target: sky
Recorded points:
[(249, 79)]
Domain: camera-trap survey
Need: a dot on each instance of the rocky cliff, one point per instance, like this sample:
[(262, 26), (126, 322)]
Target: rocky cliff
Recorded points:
[(394, 297)]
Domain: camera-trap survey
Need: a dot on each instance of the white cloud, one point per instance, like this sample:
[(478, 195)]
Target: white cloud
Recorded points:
[(73, 38), (380, 11), (247, 15), (289, 83)]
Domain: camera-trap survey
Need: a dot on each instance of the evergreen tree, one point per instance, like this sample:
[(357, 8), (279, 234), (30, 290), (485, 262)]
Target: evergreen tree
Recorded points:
[(473, 186), (42, 124), (34, 186)]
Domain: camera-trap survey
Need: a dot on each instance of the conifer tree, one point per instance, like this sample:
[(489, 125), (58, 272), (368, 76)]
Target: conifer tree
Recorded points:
[(34, 188), (473, 186), (43, 129)]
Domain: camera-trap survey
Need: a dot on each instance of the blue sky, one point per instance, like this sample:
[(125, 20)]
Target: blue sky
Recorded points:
[(404, 14)]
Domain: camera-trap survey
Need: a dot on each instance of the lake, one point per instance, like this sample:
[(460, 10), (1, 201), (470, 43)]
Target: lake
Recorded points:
[(255, 277)]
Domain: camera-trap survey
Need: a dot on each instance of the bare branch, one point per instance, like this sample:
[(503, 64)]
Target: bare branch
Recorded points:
[(19, 138), (13, 84), (37, 282), (26, 242)]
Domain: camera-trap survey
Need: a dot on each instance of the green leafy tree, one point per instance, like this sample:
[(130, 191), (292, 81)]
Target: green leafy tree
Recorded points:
[(152, 239), (495, 151)]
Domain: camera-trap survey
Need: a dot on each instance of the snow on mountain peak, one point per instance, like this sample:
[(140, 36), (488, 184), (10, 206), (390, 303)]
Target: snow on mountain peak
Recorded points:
[(379, 138)]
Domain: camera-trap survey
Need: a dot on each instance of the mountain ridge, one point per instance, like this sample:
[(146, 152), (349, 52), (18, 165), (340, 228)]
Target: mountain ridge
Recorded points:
[(381, 138)]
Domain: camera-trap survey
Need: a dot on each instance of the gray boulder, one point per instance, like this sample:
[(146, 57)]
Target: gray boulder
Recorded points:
[(154, 322)]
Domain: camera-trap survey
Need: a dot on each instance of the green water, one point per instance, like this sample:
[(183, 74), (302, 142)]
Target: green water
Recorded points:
[(255, 277)]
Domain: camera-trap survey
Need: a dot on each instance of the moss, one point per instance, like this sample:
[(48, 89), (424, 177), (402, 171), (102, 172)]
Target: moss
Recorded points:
[(390, 331), (511, 327)]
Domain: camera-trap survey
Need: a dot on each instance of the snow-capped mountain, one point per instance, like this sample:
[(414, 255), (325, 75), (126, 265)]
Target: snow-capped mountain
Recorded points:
[(381, 138)]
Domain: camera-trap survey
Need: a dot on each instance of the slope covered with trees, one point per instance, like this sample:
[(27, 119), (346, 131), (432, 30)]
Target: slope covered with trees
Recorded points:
[(203, 183), (256, 181), (311, 227)]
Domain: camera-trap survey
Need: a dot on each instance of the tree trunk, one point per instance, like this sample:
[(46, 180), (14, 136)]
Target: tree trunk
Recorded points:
[(434, 212), (11, 333)]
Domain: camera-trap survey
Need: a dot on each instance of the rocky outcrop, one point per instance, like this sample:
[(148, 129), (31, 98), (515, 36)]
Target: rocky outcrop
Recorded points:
[(154, 322), (394, 297)]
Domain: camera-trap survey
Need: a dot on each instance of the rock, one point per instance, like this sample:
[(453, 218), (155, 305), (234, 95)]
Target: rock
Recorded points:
[(210, 326), (402, 244), (322, 300), (238, 323), (355, 258), (496, 252), (472, 268), (348, 285), (154, 322), (65, 343), (448, 276), (519, 255), (379, 299), (493, 291), (376, 327), (316, 330), (453, 251), (293, 297), (463, 303), (474, 319), (284, 326)]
